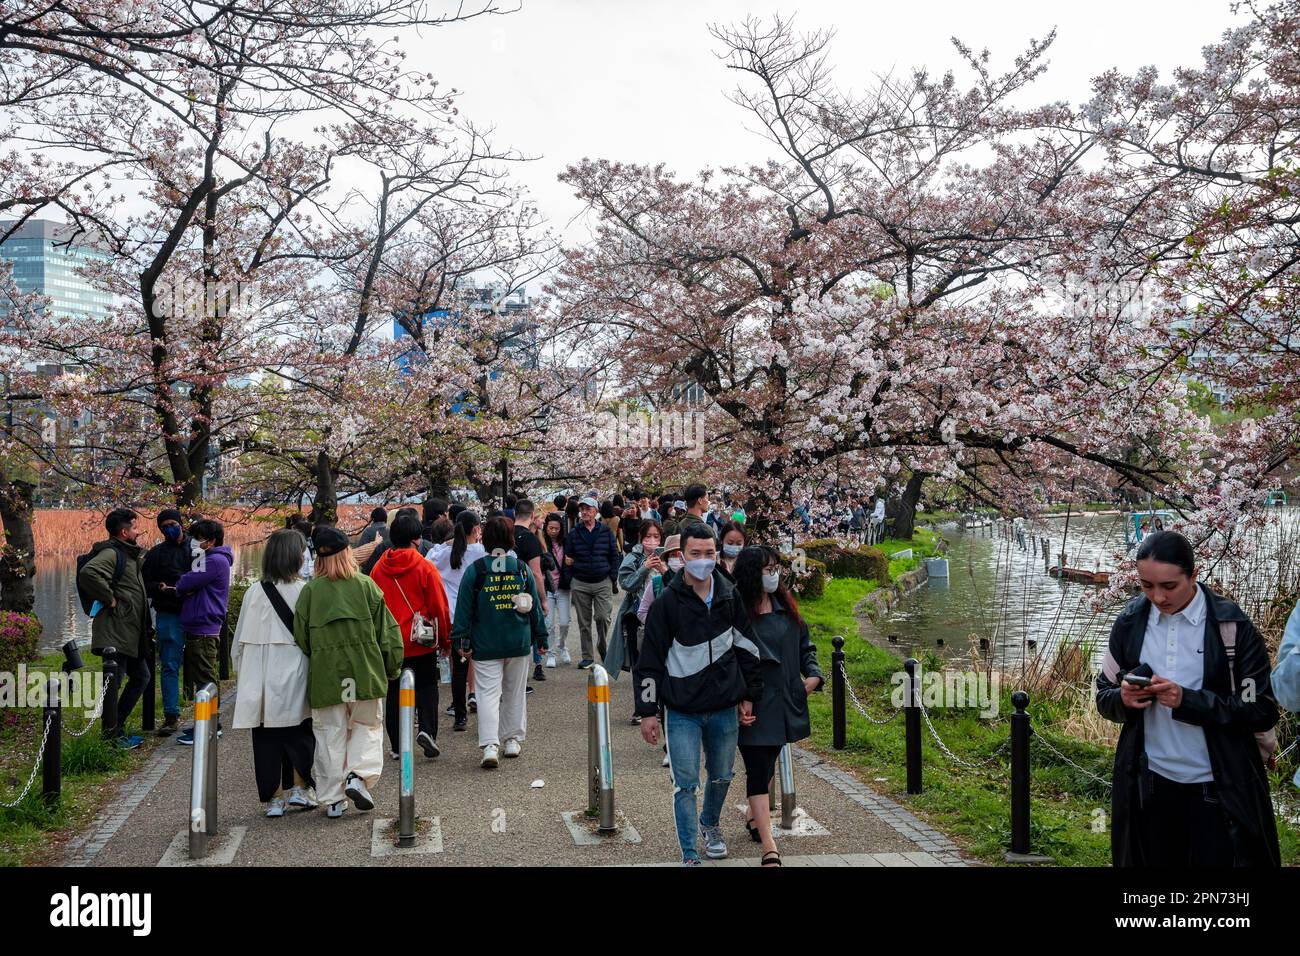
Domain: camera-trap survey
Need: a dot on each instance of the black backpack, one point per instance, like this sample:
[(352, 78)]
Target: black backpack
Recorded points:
[(87, 602)]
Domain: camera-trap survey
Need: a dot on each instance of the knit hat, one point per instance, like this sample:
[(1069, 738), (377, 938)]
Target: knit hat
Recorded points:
[(170, 514), (330, 540)]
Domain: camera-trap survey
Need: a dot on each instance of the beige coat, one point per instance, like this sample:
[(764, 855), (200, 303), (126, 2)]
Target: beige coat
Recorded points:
[(272, 671)]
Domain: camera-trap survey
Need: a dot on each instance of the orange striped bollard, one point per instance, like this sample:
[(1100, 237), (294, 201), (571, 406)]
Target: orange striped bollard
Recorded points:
[(203, 772), (406, 743), (600, 751)]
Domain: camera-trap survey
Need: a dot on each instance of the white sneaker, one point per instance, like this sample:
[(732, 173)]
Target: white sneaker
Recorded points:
[(275, 808), (512, 748), (302, 797), (490, 754), (335, 810), (564, 656), (665, 763), (393, 755), (550, 660), (357, 792)]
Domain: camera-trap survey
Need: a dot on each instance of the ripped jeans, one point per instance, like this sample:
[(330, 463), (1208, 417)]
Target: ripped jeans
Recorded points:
[(716, 731)]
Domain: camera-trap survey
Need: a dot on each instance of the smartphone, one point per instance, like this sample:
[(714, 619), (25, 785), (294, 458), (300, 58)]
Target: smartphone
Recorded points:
[(1138, 680)]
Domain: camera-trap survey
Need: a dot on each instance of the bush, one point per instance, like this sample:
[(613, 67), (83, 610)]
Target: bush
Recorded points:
[(812, 582), (20, 634), (869, 564), (238, 588)]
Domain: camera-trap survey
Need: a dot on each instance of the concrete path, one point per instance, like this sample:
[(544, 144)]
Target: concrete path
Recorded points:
[(496, 817)]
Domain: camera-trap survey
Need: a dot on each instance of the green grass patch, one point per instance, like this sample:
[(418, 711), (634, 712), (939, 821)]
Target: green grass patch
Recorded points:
[(1070, 809)]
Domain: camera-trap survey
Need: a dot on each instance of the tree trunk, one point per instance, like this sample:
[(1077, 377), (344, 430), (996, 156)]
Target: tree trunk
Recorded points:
[(325, 506), (18, 558), (903, 508), (439, 484)]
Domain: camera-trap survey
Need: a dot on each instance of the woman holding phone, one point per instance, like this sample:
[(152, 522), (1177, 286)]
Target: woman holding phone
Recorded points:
[(1187, 674), (638, 565)]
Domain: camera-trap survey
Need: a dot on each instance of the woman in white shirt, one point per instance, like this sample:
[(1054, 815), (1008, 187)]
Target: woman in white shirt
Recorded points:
[(451, 560), (271, 698)]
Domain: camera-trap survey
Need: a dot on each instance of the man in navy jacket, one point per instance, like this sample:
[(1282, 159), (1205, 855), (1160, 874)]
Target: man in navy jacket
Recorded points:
[(591, 553)]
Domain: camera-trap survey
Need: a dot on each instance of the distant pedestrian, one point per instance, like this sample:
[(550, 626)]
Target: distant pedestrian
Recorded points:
[(593, 559), (557, 577), (451, 559), (163, 566)]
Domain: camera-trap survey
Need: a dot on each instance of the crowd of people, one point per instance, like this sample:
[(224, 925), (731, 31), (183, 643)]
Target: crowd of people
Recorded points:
[(719, 657)]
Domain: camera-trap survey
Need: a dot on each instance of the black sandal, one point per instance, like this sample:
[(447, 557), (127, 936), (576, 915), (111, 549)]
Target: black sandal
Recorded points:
[(771, 858), (753, 830)]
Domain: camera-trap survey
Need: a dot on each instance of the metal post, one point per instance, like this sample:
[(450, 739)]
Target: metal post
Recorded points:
[(108, 716), (147, 705), (406, 745), (203, 793), (837, 694), (1020, 774), (52, 758), (789, 799), (603, 778), (593, 749), (912, 725)]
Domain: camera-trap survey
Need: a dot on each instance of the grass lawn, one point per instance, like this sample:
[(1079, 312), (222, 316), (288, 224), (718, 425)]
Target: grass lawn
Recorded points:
[(32, 834), (1070, 809)]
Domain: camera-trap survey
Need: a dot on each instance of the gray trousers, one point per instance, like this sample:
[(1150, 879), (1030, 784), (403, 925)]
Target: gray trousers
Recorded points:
[(588, 598)]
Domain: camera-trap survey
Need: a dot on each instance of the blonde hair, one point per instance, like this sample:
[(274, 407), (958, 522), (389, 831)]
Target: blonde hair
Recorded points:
[(337, 567)]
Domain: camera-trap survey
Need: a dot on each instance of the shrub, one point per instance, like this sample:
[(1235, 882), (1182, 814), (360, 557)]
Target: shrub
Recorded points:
[(870, 564), (238, 588), (812, 582), (20, 634)]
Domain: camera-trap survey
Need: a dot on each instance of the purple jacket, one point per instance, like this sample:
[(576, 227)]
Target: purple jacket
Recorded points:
[(205, 594)]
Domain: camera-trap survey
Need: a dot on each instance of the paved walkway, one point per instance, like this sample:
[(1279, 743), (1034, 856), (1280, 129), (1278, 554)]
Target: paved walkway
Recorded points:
[(496, 817)]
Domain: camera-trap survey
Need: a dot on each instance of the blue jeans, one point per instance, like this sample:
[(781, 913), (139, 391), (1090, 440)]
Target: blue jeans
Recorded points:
[(716, 731), (171, 651)]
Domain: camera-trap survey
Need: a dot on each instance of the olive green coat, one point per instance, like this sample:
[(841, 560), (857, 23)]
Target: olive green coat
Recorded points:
[(352, 642), (124, 626)]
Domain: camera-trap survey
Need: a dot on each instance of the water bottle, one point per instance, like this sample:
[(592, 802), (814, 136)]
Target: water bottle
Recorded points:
[(444, 669)]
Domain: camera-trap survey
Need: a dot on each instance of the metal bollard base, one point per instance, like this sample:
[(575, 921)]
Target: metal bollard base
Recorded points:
[(1027, 858)]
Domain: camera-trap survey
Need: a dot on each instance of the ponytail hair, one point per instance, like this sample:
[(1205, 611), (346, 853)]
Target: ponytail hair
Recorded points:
[(466, 522)]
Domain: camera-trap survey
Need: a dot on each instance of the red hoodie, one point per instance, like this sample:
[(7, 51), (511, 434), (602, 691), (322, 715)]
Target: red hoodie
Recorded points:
[(403, 572)]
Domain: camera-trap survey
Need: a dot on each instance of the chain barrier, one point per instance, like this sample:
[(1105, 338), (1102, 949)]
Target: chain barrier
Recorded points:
[(99, 710), (40, 755), (1066, 760), (997, 751), (1282, 756), (858, 704)]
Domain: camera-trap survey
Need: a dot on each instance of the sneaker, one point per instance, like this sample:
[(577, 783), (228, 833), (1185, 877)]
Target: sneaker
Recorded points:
[(665, 763), (635, 721), (550, 660), (186, 739), (585, 663), (564, 656), (300, 797), (490, 754), (715, 848), (128, 743), (692, 861), (169, 726), (356, 790), (528, 690), (276, 807), (512, 748), (335, 810), (426, 743), (458, 725), (472, 703), (451, 710), (538, 673), (393, 755)]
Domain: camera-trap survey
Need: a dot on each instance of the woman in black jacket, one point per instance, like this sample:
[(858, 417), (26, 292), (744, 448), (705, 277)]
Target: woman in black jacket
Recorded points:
[(1187, 675), (790, 674)]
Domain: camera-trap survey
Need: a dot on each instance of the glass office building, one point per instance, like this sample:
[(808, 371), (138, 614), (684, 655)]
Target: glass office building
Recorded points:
[(46, 262)]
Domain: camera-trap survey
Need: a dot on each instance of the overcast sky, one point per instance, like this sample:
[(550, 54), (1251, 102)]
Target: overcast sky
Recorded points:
[(639, 80)]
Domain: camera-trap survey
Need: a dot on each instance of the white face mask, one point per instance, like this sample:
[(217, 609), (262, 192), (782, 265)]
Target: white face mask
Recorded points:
[(771, 581), (675, 564), (701, 568), (731, 550)]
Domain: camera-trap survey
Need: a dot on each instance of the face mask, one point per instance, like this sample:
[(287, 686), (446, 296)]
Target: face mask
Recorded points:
[(675, 564), (731, 550), (771, 582), (172, 532), (700, 568)]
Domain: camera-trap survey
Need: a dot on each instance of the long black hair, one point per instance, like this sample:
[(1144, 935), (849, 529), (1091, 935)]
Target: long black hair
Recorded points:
[(466, 522), (553, 517), (748, 574)]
